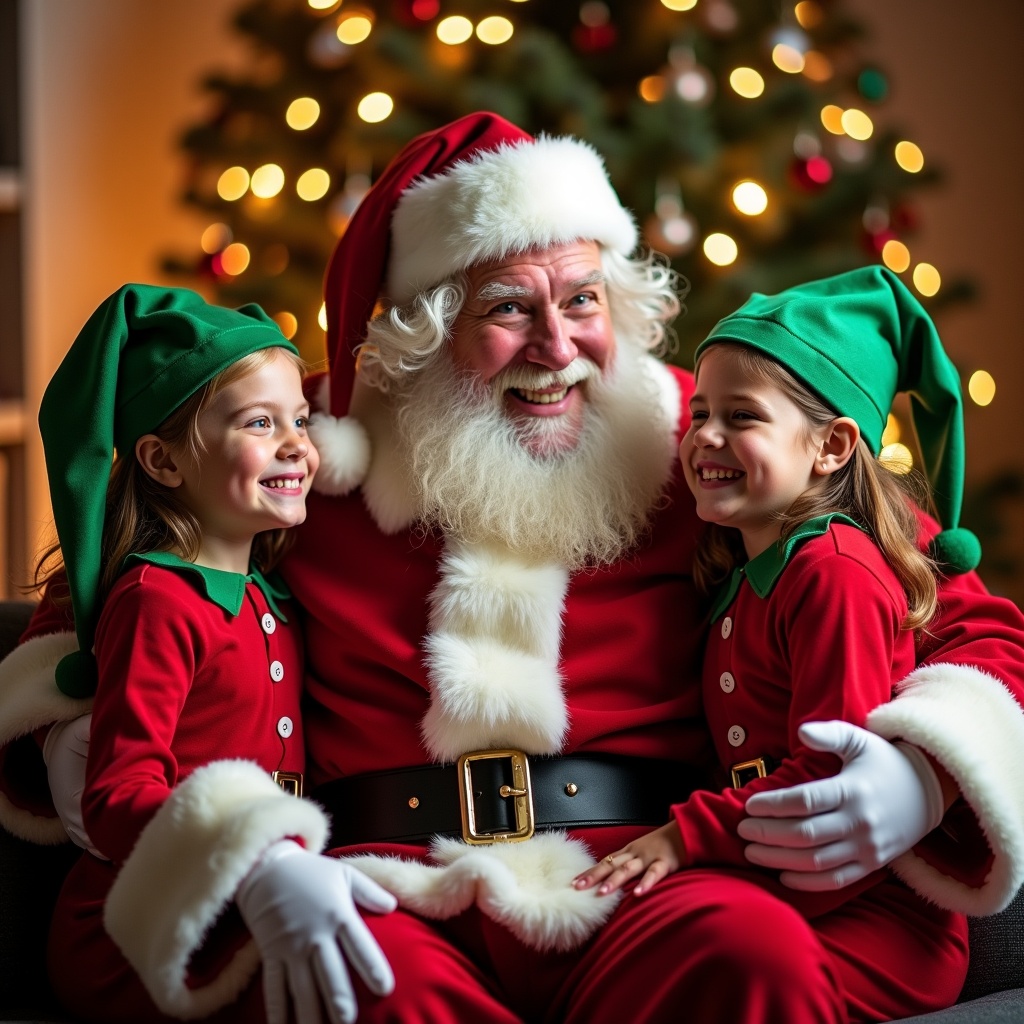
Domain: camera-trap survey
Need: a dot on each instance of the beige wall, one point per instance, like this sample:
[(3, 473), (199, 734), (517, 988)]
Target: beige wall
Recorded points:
[(109, 84), (959, 92)]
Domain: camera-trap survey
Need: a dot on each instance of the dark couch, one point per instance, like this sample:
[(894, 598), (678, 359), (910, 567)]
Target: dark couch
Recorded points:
[(30, 877)]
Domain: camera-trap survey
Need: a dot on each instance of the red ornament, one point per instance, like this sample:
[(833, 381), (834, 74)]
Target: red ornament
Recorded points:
[(905, 219), (414, 12), (811, 174), (593, 38)]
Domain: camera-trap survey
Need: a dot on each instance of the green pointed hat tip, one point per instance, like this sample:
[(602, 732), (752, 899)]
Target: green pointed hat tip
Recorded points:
[(957, 550), (77, 674)]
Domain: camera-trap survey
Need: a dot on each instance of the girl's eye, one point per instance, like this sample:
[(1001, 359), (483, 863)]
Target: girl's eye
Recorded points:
[(302, 422), (740, 414), (698, 414), (260, 423)]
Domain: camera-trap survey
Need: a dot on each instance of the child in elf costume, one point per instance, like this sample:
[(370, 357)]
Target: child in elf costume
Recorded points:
[(167, 551), (817, 589)]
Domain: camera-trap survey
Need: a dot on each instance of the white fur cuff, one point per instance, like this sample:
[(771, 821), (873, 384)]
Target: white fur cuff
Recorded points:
[(185, 868), (971, 724), (29, 699), (527, 887)]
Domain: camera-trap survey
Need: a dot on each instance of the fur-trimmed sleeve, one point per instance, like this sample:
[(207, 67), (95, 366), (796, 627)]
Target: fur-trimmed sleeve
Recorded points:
[(29, 700), (185, 868), (972, 725)]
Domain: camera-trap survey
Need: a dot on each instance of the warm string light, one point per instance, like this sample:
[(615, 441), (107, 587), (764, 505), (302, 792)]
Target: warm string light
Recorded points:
[(746, 82), (927, 279), (981, 387), (750, 198), (454, 29), (313, 184), (288, 323), (896, 256), (354, 29), (267, 181), (494, 30), (302, 113), (720, 249), (375, 107), (909, 157), (896, 458), (892, 432), (233, 183)]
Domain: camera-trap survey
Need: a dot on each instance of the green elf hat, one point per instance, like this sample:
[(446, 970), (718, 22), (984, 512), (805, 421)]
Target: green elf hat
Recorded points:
[(143, 352), (857, 340)]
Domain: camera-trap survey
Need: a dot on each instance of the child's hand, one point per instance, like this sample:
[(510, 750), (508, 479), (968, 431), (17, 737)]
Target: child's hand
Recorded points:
[(654, 856)]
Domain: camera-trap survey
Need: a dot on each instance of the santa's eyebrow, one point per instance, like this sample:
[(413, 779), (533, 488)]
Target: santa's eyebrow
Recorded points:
[(497, 290), (593, 278)]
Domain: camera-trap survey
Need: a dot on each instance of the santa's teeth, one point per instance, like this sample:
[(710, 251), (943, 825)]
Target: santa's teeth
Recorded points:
[(542, 397)]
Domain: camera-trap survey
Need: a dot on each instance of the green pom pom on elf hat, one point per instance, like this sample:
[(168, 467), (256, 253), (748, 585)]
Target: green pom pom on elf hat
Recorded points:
[(143, 352), (857, 340)]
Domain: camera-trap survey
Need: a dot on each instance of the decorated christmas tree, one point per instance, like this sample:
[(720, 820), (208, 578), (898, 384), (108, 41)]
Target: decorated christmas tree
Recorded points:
[(748, 136)]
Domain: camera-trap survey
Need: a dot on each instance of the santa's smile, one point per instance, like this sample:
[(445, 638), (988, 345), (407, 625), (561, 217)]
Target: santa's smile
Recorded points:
[(552, 401)]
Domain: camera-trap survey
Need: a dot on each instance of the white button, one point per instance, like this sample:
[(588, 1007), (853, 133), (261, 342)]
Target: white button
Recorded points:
[(285, 727), (727, 682), (737, 734), (726, 627), (269, 623), (276, 671)]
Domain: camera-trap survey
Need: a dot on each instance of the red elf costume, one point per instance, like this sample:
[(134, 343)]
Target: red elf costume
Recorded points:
[(196, 725)]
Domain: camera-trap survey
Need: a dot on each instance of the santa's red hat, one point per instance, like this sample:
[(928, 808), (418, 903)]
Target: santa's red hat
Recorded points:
[(477, 189)]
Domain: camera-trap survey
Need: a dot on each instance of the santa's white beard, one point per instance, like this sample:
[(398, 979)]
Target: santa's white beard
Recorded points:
[(482, 478)]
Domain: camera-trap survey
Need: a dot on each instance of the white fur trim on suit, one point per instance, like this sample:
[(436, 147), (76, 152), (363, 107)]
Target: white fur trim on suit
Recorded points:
[(526, 886), (971, 724), (29, 699), (186, 867), (499, 202), (492, 654), (344, 449)]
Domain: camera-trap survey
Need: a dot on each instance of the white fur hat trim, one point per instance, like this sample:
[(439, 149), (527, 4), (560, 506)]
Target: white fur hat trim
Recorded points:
[(499, 202)]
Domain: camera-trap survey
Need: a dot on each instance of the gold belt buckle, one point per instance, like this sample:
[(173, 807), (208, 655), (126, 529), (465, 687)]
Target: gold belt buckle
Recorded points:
[(746, 771), (519, 792), (290, 782)]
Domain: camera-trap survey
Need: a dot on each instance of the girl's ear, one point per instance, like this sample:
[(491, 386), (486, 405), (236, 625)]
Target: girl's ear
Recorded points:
[(837, 446), (155, 457)]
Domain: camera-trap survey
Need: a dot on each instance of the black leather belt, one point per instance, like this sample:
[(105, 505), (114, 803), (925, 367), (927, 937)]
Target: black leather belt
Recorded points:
[(497, 796)]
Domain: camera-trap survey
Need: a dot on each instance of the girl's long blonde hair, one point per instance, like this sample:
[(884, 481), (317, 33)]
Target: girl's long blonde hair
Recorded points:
[(143, 515), (863, 489)]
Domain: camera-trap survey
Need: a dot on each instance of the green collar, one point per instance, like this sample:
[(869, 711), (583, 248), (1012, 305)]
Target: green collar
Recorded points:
[(225, 589), (764, 570)]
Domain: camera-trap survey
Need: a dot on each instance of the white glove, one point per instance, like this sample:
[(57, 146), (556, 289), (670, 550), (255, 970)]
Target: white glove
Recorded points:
[(64, 752), (299, 906), (826, 834)]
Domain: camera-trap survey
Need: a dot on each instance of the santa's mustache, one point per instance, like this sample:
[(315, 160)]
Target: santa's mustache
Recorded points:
[(538, 378)]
